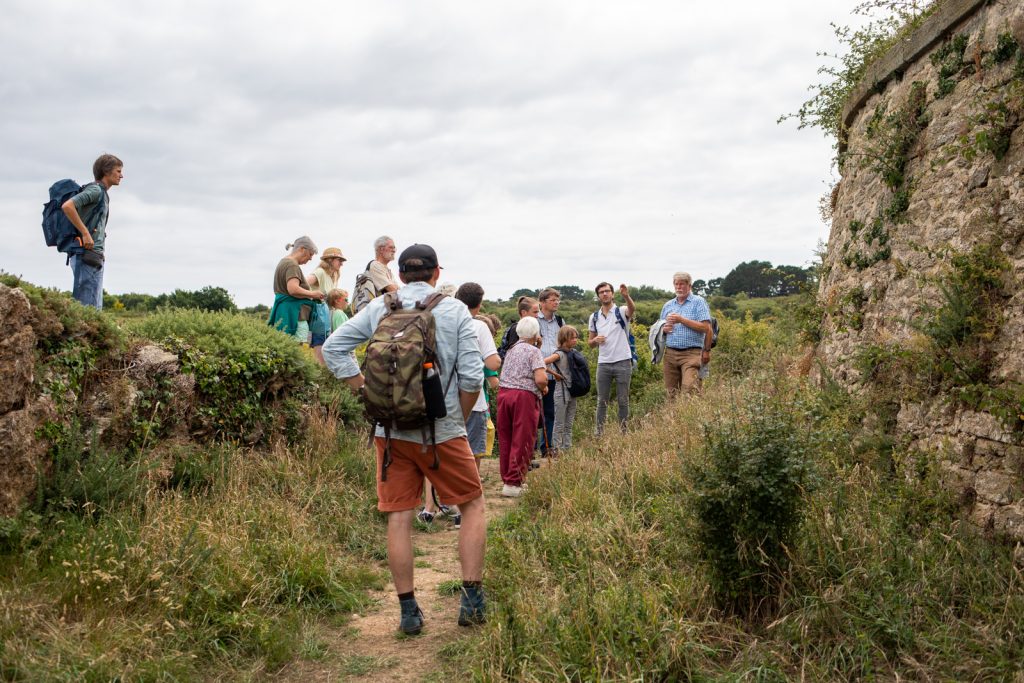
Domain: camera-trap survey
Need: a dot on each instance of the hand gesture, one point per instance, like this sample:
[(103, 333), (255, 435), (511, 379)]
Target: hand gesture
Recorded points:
[(624, 291)]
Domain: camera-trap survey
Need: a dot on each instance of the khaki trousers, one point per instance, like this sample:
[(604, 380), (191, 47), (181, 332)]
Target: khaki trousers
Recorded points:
[(680, 368)]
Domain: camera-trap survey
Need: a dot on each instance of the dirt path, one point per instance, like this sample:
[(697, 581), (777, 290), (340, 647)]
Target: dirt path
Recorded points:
[(368, 648)]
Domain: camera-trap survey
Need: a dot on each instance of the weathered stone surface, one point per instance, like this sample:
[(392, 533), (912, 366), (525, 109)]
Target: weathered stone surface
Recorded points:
[(959, 198), (22, 455), (17, 348), (997, 487), (152, 359)]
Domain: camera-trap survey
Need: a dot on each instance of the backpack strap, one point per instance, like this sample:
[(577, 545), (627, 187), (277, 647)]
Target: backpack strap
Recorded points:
[(618, 316)]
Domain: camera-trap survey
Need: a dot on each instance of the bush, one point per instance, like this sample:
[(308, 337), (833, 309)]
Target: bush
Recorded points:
[(245, 371), (748, 500)]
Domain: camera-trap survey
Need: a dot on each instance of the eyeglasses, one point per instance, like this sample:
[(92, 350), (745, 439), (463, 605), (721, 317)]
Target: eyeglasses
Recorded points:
[(605, 291)]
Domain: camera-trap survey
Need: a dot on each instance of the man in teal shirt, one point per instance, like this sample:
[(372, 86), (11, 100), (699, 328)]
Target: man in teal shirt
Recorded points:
[(93, 203)]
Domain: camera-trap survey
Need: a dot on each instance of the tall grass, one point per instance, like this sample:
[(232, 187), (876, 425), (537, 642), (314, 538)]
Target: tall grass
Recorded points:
[(227, 563), (597, 575)]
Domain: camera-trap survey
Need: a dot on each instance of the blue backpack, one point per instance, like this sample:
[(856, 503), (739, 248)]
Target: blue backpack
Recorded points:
[(625, 328), (57, 229)]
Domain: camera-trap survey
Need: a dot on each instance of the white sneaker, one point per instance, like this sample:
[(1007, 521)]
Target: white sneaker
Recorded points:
[(510, 491)]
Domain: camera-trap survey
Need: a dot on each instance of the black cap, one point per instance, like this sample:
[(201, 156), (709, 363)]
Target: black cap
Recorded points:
[(422, 256)]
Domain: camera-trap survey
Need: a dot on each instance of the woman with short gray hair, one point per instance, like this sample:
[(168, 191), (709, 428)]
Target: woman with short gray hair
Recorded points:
[(522, 383), (293, 299)]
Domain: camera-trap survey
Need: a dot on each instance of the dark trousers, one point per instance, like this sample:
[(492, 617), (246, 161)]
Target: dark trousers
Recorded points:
[(549, 419)]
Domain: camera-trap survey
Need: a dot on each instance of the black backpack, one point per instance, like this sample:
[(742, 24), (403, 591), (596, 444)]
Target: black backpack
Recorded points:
[(508, 340), (714, 332), (579, 373)]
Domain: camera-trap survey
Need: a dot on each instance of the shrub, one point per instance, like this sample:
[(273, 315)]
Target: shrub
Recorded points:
[(244, 370), (748, 500)]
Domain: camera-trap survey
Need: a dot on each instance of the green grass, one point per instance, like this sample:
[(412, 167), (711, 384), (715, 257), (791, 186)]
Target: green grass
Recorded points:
[(595, 574), (231, 571)]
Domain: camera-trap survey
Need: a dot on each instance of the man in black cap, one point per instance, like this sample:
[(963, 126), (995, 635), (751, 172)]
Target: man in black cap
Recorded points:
[(456, 480)]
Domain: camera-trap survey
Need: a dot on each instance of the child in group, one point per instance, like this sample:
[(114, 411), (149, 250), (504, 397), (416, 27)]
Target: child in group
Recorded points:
[(565, 403), (337, 301)]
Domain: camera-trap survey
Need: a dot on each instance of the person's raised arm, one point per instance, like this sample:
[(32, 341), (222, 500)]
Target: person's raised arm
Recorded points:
[(630, 306)]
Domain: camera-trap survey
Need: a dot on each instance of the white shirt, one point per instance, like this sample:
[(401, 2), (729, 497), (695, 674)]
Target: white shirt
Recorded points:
[(487, 349), (616, 343)]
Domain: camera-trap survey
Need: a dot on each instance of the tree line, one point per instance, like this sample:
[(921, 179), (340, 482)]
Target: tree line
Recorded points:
[(756, 279)]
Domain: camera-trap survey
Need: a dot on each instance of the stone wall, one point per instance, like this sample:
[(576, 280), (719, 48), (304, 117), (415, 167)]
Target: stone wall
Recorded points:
[(932, 166)]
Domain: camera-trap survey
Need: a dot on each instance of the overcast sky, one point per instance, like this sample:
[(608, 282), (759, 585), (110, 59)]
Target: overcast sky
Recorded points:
[(531, 143)]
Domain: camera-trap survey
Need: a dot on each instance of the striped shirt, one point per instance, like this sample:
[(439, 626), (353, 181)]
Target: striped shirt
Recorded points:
[(681, 336)]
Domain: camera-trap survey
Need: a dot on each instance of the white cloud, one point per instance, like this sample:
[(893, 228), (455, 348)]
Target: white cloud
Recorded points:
[(531, 143)]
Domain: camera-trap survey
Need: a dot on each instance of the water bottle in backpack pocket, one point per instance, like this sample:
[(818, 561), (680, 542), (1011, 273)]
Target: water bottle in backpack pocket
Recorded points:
[(433, 392)]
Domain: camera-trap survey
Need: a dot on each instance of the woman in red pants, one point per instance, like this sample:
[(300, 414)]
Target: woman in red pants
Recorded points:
[(522, 383)]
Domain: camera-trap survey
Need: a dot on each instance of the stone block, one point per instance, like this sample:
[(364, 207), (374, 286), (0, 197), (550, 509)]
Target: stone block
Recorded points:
[(1001, 488), (1009, 520)]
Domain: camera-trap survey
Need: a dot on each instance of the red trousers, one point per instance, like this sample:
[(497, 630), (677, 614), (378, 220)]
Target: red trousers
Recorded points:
[(518, 412)]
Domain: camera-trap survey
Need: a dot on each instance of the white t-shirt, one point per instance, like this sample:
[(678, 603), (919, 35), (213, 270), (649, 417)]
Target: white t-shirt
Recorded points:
[(616, 343), (487, 349)]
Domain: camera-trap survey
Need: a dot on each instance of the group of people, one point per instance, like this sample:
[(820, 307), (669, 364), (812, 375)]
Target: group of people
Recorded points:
[(311, 307), (534, 378), (531, 372)]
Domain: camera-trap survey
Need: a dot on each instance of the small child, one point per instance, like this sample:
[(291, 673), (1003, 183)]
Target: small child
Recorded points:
[(337, 301), (565, 403)]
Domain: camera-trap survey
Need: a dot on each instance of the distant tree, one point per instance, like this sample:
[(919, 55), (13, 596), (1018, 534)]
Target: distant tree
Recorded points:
[(714, 286), (752, 277), (205, 299), (791, 279), (649, 293), (214, 299), (570, 292), (523, 292), (700, 288)]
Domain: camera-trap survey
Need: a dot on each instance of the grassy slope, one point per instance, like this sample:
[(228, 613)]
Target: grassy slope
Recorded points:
[(596, 575)]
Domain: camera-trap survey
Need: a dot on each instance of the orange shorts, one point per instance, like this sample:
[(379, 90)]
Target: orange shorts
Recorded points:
[(456, 480)]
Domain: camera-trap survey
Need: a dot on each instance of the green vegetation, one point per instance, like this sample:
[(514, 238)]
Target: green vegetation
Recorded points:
[(205, 299), (602, 572), (748, 496), (891, 20), (250, 379), (949, 60)]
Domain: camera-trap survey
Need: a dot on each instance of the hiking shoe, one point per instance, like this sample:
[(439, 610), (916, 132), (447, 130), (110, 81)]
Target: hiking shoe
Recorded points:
[(471, 606), (412, 618), (457, 520), (425, 516), (510, 491)]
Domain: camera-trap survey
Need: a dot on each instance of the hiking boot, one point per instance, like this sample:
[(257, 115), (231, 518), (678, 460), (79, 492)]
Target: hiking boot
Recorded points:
[(471, 606), (412, 618), (457, 520), (425, 516), (510, 491)]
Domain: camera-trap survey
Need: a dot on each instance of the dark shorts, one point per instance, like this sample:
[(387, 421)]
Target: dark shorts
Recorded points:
[(318, 339), (456, 480), (476, 431)]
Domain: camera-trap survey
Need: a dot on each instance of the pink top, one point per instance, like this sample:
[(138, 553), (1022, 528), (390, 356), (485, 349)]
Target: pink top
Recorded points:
[(517, 369)]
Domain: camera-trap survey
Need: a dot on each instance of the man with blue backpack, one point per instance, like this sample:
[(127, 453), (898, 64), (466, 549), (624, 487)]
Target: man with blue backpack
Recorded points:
[(75, 221), (616, 351)]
